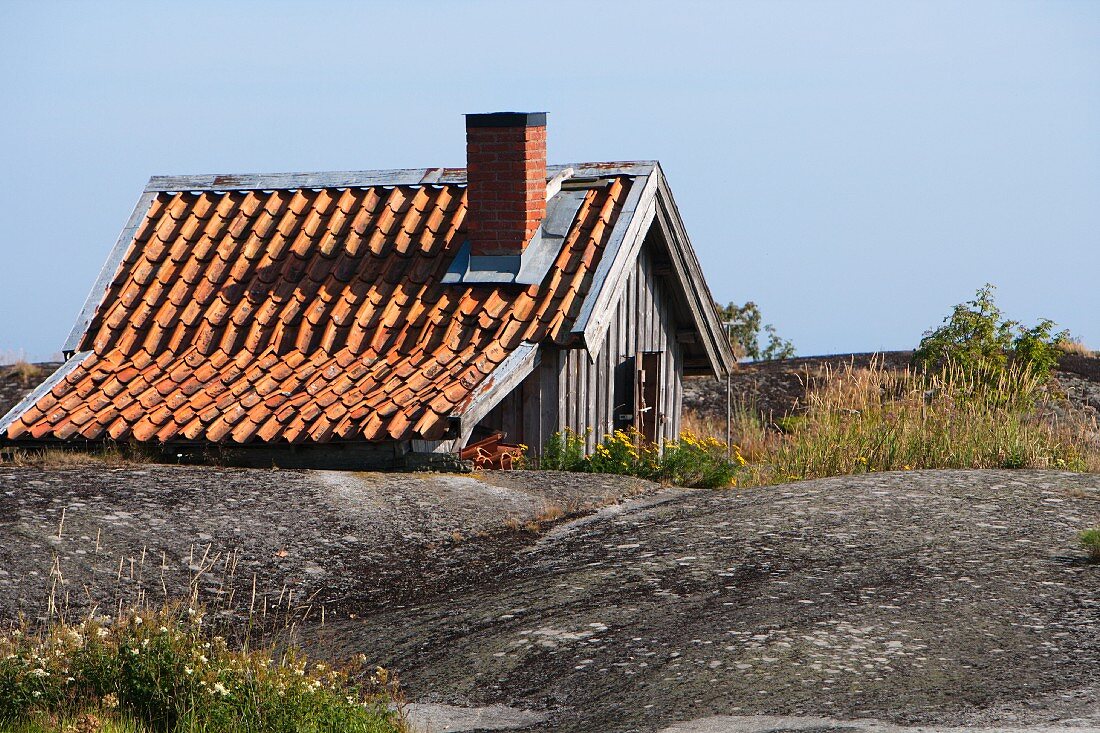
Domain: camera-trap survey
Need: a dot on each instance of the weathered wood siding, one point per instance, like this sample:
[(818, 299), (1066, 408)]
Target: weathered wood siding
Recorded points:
[(571, 390), (643, 321)]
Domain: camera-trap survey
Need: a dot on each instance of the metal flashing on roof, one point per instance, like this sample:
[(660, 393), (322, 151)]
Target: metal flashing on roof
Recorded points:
[(38, 392), (531, 267), (611, 270), (362, 179)]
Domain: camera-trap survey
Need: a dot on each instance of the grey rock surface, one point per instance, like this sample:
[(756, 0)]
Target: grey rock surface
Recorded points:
[(940, 598), (934, 598)]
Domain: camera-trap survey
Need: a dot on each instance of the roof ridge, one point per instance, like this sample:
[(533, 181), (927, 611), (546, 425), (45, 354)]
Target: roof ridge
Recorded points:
[(366, 178)]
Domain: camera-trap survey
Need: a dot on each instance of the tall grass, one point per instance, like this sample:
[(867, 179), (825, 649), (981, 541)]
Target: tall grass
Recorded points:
[(859, 420)]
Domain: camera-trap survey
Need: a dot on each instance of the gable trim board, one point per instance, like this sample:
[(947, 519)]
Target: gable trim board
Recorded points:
[(656, 204)]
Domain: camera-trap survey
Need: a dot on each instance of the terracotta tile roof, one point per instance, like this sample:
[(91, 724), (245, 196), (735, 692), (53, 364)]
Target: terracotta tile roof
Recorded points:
[(305, 315)]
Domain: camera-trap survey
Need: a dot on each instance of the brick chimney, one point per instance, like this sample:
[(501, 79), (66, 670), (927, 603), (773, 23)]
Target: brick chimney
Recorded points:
[(506, 171)]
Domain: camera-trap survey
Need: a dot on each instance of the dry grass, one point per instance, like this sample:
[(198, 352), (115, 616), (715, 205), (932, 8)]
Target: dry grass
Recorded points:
[(860, 420), (28, 374), (1076, 348), (109, 455), (62, 458)]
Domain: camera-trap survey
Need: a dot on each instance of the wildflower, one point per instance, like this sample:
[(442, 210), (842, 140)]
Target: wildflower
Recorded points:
[(164, 629), (36, 693), (39, 672), (70, 679), (102, 632), (220, 689), (190, 612), (137, 621)]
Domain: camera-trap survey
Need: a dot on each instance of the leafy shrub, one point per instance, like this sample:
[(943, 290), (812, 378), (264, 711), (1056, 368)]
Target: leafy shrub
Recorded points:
[(1090, 540), (690, 461), (743, 326), (563, 452), (979, 340), (167, 673)]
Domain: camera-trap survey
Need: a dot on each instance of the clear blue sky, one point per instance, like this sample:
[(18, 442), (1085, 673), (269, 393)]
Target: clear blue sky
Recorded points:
[(854, 168)]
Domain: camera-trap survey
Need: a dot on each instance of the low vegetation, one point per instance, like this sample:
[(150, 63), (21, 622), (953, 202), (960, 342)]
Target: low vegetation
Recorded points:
[(164, 671), (689, 461), (1090, 540)]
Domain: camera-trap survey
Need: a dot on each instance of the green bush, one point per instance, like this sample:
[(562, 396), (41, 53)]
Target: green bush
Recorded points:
[(743, 324), (1090, 540), (690, 461), (166, 673), (979, 340)]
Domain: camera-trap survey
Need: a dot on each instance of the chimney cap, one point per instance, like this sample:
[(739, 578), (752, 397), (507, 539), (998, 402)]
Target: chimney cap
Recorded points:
[(506, 119)]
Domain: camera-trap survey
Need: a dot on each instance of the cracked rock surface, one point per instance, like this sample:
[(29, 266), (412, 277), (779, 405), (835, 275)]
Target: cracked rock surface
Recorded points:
[(931, 598), (918, 598)]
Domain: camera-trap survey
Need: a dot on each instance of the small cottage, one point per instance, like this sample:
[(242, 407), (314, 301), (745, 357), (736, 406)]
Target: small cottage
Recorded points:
[(388, 318)]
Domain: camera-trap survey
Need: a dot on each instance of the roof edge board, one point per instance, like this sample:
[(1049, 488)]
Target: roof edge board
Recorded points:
[(611, 272), (36, 394), (107, 273), (507, 375), (356, 179)]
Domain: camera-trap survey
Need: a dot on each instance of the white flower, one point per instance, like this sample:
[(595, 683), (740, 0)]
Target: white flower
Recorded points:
[(36, 693), (220, 689), (202, 658), (39, 672), (190, 612), (187, 670), (70, 679), (164, 629), (102, 632), (137, 621)]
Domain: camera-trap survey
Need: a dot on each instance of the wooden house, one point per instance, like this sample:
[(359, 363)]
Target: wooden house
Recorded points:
[(388, 318)]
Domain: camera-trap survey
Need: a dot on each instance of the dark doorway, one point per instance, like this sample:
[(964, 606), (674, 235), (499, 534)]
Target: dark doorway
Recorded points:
[(648, 415)]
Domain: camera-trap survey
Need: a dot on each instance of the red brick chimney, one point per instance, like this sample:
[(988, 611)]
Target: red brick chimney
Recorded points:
[(506, 173)]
